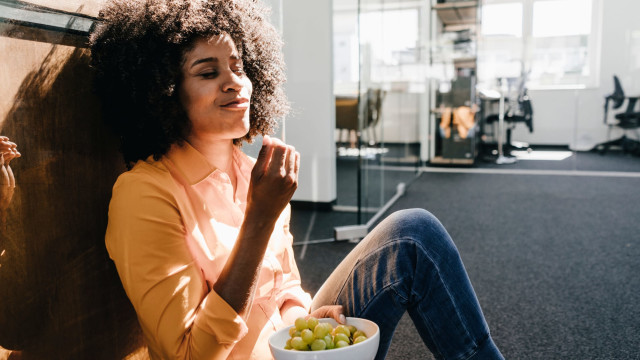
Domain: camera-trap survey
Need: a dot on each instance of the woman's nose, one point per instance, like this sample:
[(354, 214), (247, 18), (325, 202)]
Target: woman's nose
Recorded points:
[(232, 83)]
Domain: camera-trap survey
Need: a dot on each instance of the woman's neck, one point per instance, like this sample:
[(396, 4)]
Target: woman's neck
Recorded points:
[(218, 153)]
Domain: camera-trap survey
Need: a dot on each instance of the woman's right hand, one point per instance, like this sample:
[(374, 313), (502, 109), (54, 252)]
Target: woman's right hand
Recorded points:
[(274, 179)]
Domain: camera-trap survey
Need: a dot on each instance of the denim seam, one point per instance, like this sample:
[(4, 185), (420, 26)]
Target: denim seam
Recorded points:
[(477, 348), (455, 305), (435, 265), (359, 261), (382, 291)]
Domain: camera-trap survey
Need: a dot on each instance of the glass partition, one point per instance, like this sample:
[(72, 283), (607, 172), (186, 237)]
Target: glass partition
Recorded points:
[(379, 81)]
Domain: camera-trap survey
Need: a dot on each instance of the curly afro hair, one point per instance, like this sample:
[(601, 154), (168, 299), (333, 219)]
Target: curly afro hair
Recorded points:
[(138, 51)]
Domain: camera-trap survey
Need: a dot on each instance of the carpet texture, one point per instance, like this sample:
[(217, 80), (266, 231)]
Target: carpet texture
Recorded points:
[(554, 260)]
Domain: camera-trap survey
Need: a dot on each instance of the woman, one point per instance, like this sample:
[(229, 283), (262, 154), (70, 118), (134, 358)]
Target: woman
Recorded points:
[(199, 232)]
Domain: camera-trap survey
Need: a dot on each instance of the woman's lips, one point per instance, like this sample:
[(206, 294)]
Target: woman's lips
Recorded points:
[(240, 103)]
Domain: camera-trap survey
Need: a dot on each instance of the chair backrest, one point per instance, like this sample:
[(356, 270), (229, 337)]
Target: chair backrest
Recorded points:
[(527, 108), (347, 113), (521, 109), (618, 94), (373, 109), (614, 100)]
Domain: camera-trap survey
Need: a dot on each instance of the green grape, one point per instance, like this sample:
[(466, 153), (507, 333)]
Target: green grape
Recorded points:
[(341, 337), (329, 341), (328, 327), (321, 330), (359, 333), (359, 339), (318, 344), (341, 329), (311, 334), (298, 344), (312, 322), (301, 324), (307, 336)]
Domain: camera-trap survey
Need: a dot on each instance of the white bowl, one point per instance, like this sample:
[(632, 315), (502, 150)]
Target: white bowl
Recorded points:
[(365, 350)]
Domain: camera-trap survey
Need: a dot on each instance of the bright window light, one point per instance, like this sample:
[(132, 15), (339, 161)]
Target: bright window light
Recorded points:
[(551, 18), (502, 19), (554, 43), (389, 33)]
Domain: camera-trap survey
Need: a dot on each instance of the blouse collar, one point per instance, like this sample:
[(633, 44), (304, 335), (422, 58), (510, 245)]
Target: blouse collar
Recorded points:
[(195, 167)]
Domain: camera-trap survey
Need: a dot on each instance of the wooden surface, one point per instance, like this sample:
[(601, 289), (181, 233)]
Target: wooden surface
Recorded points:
[(60, 297)]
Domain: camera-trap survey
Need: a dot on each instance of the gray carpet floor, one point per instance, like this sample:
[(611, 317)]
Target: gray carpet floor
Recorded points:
[(554, 260)]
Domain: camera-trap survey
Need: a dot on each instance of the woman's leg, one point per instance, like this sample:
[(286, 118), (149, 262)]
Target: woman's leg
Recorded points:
[(409, 263)]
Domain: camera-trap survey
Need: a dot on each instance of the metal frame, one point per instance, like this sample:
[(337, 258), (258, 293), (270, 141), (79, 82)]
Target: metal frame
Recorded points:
[(22, 20)]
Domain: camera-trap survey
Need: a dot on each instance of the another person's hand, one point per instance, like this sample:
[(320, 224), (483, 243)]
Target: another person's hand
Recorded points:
[(274, 178), (8, 149), (330, 311), (8, 152), (9, 354)]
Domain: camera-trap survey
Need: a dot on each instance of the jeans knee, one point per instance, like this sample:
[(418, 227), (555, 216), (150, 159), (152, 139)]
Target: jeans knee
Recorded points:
[(423, 227), (415, 220)]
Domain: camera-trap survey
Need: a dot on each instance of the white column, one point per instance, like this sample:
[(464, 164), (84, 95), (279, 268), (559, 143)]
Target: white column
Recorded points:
[(307, 32)]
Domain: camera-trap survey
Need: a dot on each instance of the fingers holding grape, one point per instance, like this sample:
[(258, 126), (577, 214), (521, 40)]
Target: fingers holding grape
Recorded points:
[(274, 177)]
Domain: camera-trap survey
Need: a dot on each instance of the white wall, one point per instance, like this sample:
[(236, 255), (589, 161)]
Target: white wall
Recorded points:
[(307, 33), (575, 117)]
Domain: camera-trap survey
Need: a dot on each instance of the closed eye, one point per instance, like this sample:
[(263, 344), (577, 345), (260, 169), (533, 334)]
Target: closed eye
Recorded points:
[(209, 74)]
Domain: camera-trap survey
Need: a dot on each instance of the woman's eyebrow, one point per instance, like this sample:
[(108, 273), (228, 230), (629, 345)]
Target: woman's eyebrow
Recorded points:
[(203, 60), (214, 59)]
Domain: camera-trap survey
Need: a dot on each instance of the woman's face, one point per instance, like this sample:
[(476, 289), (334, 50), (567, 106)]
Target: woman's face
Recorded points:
[(215, 91)]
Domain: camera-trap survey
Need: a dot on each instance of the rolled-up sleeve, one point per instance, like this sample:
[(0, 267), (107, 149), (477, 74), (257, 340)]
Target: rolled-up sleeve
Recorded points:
[(291, 292), (145, 237)]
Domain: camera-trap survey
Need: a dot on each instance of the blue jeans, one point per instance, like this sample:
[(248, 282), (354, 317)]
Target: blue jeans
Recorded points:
[(409, 263)]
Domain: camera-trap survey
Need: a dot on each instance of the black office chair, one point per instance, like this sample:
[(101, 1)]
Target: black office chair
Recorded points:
[(625, 117), (519, 110)]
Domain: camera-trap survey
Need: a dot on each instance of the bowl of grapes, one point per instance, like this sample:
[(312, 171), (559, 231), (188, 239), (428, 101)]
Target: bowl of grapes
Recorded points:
[(325, 339)]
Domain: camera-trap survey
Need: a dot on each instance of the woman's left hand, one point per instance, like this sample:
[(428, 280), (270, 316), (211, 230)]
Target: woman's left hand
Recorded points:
[(330, 311)]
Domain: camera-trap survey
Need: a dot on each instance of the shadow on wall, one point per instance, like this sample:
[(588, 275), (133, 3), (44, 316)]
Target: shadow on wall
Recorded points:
[(60, 294)]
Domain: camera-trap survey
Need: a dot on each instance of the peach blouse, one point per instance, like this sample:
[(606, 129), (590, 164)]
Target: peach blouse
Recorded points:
[(172, 225)]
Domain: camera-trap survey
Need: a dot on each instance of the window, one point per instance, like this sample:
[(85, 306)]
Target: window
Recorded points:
[(553, 42), (28, 21)]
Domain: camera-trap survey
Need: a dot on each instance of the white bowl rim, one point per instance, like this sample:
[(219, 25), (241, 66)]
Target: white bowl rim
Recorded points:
[(334, 350)]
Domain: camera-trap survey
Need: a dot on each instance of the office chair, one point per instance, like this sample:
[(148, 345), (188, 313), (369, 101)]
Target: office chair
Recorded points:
[(347, 118), (519, 110), (347, 110), (625, 117), (373, 112)]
